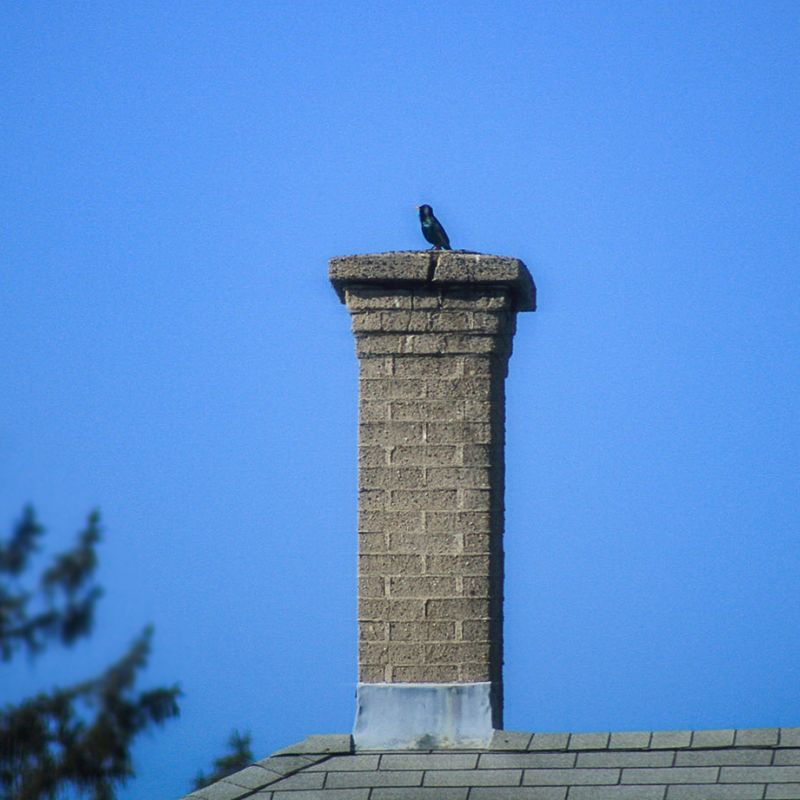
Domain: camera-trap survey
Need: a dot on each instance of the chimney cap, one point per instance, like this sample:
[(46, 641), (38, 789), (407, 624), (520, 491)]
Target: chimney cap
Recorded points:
[(414, 268)]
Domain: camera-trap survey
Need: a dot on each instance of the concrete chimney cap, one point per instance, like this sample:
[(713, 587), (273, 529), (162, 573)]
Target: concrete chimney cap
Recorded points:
[(409, 268)]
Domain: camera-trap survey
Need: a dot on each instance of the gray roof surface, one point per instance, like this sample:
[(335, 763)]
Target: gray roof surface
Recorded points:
[(754, 764)]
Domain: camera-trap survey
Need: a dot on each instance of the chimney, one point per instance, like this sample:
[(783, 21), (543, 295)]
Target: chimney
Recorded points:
[(433, 336)]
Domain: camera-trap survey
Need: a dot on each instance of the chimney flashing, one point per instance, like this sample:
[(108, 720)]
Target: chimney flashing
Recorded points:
[(423, 716)]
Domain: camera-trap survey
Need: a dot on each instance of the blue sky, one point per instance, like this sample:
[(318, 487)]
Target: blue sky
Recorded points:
[(175, 177)]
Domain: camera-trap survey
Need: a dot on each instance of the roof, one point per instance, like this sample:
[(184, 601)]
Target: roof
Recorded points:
[(753, 764)]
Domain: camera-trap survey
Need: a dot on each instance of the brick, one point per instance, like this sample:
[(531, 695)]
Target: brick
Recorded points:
[(757, 737), (474, 388), (457, 432), (476, 586), (760, 775), (611, 758), (422, 586), (426, 543), (372, 543), (569, 777), (427, 410), (588, 741), (456, 608), (378, 367), (475, 543), (396, 521), (457, 653), (476, 455), (670, 775), (475, 499), (448, 343), (480, 777), (422, 499), (373, 653), (371, 674), (426, 455), (428, 366), (743, 791), (718, 738), (726, 757), (381, 344), (364, 297), (373, 631), (391, 388), (455, 477), (788, 757), (370, 320), (457, 565), (527, 760), (373, 456), (487, 299), (452, 320), (474, 366), (476, 630), (372, 499), (390, 565), (407, 654), (390, 610), (473, 672), (386, 434), (478, 410), (403, 321), (426, 673), (617, 793), (392, 478), (466, 521), (422, 631), (371, 586), (549, 741), (491, 321)]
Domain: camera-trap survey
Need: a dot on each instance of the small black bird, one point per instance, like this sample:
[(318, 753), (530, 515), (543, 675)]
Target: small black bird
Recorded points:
[(432, 229)]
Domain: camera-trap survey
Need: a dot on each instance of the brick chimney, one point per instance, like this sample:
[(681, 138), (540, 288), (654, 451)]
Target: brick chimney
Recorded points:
[(433, 336)]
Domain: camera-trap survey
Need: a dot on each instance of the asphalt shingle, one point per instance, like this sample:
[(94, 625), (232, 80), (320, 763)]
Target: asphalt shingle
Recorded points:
[(760, 764)]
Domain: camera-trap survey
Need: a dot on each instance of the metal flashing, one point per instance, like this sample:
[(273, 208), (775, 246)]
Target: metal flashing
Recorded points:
[(422, 716)]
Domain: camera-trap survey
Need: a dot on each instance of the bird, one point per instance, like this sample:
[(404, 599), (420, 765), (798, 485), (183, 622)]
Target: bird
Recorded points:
[(432, 229)]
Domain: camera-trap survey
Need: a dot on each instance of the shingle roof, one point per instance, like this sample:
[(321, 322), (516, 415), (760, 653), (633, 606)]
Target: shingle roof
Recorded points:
[(755, 764)]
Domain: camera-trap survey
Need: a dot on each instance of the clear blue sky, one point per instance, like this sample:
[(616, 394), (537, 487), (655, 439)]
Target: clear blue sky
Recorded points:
[(175, 177)]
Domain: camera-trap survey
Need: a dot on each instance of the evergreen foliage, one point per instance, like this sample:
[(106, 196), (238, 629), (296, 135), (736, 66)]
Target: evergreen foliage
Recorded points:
[(239, 757), (76, 738)]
